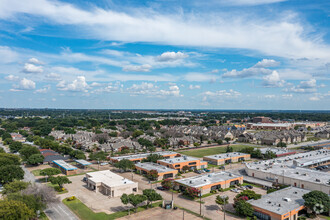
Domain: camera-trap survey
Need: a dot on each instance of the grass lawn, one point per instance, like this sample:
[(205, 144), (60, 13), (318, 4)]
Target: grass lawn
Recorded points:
[(55, 186), (85, 213), (210, 151), (36, 172)]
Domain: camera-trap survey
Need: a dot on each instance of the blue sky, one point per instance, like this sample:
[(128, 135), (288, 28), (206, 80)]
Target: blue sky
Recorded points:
[(189, 54)]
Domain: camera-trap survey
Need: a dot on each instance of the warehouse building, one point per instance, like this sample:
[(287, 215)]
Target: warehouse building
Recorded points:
[(163, 171), (137, 158), (110, 184), (179, 162), (233, 157), (66, 168), (291, 170), (212, 181), (280, 152), (286, 204)]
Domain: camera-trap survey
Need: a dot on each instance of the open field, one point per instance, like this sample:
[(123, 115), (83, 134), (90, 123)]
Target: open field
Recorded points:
[(210, 151)]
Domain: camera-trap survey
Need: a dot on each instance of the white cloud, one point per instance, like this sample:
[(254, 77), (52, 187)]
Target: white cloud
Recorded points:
[(283, 36), (171, 56), (24, 84), (273, 80), (248, 2), (194, 87), (78, 85), (152, 90), (95, 84), (45, 89), (223, 93), (31, 68), (200, 77), (309, 86), (287, 96), (109, 88), (267, 63), (136, 68), (35, 61), (314, 98), (270, 96), (246, 72), (53, 77), (12, 78)]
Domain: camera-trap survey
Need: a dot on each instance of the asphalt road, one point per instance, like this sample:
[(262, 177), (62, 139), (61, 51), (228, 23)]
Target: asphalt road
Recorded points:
[(59, 211)]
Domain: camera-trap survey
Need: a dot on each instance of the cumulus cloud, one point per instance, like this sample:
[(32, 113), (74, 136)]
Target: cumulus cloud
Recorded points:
[(35, 61), (137, 68), (270, 96), (273, 80), (53, 77), (171, 56), (246, 72), (12, 78), (78, 85), (24, 84), (45, 89), (223, 93), (308, 86), (200, 77), (191, 87), (152, 90), (31, 68), (267, 63)]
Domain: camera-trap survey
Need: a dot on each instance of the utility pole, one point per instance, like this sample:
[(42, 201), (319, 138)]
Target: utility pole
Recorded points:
[(200, 202)]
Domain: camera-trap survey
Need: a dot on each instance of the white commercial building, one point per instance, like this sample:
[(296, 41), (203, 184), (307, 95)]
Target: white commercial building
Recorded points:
[(110, 184)]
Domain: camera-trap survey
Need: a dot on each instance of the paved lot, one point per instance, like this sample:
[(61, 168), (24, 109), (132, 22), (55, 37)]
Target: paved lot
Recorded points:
[(59, 211), (161, 214), (95, 201)]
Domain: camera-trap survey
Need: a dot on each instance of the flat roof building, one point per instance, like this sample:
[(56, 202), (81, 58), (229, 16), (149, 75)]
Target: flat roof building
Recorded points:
[(270, 126), (110, 184), (210, 181), (219, 159), (83, 163), (290, 170), (287, 203), (179, 162), (163, 171), (66, 168), (139, 157), (280, 152)]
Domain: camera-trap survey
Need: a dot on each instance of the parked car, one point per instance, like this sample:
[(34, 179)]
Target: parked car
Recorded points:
[(103, 164), (198, 171), (249, 186), (161, 188), (207, 170), (85, 179), (235, 190)]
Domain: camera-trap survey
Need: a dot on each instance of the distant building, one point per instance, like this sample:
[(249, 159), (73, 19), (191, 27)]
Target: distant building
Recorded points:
[(136, 158), (262, 119), (280, 152), (233, 157), (287, 203), (179, 162), (110, 184), (66, 168), (17, 137), (270, 126), (212, 181), (50, 155), (163, 171)]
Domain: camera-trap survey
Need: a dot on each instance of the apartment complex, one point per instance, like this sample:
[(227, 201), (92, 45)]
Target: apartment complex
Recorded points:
[(137, 158), (212, 181), (163, 171), (179, 162), (284, 204), (110, 184), (233, 157)]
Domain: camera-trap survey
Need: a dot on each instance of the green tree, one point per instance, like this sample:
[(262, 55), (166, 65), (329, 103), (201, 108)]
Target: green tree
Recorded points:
[(7, 141), (26, 151), (152, 175), (244, 208), (221, 200), (227, 139), (125, 165), (50, 172), (161, 142), (9, 159), (256, 154), (185, 168), (5, 136), (281, 144), (167, 183), (151, 195), (145, 143), (153, 158), (34, 202), (101, 155), (137, 133), (132, 199), (192, 192), (15, 186), (11, 172), (15, 146), (59, 180), (13, 210), (219, 142), (316, 200), (269, 155), (250, 194), (2, 150), (35, 159), (229, 149)]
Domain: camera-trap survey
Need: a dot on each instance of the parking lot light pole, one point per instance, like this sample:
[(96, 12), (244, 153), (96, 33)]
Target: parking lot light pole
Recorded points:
[(200, 202)]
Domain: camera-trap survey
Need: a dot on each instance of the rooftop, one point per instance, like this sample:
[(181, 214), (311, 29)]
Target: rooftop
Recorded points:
[(83, 162), (226, 155), (64, 165), (281, 201), (272, 124), (179, 159), (154, 166), (108, 178), (206, 179), (277, 151), (138, 156)]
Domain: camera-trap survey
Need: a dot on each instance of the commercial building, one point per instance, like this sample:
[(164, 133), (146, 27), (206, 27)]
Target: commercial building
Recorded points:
[(179, 162), (110, 184), (285, 204), (280, 152), (83, 163), (136, 158), (50, 156), (233, 157), (291, 170), (66, 168), (211, 181), (163, 171), (270, 126), (262, 119)]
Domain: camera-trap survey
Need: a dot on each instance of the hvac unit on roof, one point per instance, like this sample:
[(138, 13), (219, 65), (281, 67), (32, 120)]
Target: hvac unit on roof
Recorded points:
[(318, 180), (287, 199)]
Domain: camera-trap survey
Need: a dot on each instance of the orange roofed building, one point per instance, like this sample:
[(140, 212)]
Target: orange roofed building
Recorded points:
[(163, 171), (179, 162), (137, 158)]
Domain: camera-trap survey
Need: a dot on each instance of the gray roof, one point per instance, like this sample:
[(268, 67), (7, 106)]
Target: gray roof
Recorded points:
[(179, 159), (225, 155), (206, 179), (281, 201), (154, 166), (137, 156)]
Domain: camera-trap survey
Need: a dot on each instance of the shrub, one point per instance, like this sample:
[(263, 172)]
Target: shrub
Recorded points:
[(71, 198)]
